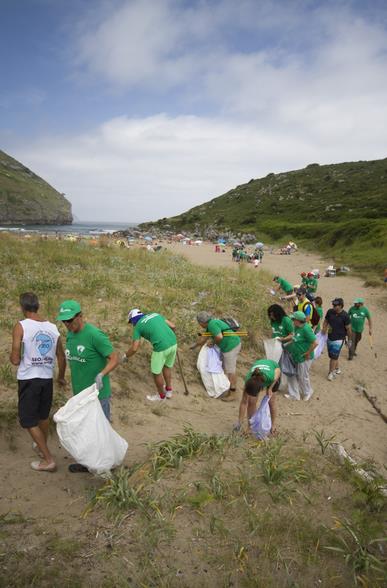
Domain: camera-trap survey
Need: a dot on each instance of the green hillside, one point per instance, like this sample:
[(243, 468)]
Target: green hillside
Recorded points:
[(341, 208), (25, 198)]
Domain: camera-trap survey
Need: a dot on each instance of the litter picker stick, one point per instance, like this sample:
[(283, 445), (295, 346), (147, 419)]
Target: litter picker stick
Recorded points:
[(186, 392), (372, 346), (233, 334)]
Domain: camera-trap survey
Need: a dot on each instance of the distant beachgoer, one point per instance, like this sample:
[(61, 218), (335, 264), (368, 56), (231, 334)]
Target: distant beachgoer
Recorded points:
[(301, 349), (264, 373), (385, 276), (283, 285), (35, 345), (160, 332), (229, 344), (358, 313), (281, 324), (338, 326)]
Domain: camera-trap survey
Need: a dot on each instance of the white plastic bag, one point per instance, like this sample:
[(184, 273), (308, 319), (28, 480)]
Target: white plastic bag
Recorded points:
[(260, 422), (87, 435), (321, 342), (273, 349), (215, 384)]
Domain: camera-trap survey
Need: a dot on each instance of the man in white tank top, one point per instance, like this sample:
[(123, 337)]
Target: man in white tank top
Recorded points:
[(35, 345)]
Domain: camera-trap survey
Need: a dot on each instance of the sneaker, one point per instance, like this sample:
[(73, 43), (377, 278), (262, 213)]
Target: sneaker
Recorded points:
[(155, 398), (308, 397), (291, 397), (331, 376), (338, 371), (168, 393)]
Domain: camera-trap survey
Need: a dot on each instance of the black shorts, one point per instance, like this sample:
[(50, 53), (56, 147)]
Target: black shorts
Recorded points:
[(35, 400)]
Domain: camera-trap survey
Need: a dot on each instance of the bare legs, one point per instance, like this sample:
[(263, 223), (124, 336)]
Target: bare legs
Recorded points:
[(39, 435), (165, 378)]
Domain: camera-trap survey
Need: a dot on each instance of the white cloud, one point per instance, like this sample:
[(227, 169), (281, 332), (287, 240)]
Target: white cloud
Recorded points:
[(142, 169)]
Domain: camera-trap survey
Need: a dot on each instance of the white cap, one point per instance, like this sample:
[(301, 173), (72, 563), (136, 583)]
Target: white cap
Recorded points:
[(133, 313)]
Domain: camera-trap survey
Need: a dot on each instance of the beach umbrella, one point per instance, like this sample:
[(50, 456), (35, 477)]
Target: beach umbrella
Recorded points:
[(259, 245)]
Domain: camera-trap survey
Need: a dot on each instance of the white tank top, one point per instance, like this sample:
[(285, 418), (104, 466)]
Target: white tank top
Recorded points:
[(38, 350)]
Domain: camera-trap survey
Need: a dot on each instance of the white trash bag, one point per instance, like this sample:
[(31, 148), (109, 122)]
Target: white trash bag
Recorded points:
[(260, 422), (273, 349), (215, 382), (321, 342), (87, 435)]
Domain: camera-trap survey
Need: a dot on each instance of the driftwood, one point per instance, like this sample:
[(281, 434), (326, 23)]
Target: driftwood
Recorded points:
[(372, 401), (338, 451)]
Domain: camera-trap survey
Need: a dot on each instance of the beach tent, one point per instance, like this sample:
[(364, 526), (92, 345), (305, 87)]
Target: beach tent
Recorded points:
[(198, 242), (147, 238), (221, 241)]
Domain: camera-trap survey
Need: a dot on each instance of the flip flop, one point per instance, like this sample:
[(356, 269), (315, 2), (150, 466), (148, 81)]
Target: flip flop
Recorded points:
[(38, 467), (76, 468)]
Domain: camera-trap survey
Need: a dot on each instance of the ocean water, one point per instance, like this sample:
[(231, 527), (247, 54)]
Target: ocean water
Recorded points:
[(77, 228)]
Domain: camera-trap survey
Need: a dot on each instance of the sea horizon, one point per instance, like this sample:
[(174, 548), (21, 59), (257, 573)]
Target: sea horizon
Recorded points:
[(78, 227)]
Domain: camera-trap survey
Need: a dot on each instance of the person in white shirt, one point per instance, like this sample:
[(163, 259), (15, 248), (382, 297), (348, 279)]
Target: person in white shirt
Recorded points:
[(35, 345)]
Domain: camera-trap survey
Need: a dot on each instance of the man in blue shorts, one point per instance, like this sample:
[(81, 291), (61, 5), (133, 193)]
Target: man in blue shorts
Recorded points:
[(337, 324)]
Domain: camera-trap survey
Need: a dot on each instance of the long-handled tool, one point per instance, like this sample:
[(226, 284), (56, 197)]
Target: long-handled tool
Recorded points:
[(372, 346), (226, 334), (186, 391)]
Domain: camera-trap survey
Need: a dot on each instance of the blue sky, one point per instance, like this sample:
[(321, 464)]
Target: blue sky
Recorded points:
[(139, 109)]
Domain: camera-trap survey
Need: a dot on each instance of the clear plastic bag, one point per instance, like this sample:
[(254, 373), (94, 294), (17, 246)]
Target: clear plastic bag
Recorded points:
[(260, 422)]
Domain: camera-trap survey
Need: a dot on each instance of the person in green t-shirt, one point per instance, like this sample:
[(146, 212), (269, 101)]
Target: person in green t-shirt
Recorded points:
[(311, 283), (90, 355), (264, 373), (283, 285), (229, 344), (358, 313), (160, 332), (301, 347), (281, 324), (318, 305)]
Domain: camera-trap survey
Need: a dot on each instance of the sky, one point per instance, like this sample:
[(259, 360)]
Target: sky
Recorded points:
[(141, 109)]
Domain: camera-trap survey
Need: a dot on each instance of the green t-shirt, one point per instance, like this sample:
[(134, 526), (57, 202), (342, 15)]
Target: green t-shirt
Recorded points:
[(286, 287), (312, 284), (302, 340), (282, 329), (267, 368), (154, 329), (320, 314), (217, 326), (87, 352), (358, 316)]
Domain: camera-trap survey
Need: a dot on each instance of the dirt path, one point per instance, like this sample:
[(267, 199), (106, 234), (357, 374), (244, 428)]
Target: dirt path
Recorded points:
[(336, 407)]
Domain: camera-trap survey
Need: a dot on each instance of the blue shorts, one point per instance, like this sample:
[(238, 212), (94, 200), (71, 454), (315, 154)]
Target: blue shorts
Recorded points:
[(334, 348)]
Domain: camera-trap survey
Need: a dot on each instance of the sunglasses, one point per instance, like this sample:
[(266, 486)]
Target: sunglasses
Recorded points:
[(69, 321)]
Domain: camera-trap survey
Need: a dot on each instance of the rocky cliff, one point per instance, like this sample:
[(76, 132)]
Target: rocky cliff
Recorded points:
[(25, 198)]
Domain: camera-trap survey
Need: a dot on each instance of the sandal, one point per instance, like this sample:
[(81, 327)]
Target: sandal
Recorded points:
[(38, 466), (76, 468)]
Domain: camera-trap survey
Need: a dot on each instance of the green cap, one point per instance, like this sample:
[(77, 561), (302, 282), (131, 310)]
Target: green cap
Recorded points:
[(358, 301), (298, 316), (68, 309)]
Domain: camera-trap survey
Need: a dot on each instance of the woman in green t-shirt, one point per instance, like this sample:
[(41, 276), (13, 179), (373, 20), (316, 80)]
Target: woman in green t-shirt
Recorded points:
[(281, 324)]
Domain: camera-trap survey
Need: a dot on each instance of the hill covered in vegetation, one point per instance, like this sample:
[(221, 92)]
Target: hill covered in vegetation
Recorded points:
[(25, 198), (338, 207)]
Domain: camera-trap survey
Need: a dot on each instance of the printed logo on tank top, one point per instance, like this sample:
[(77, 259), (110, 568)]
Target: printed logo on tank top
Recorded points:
[(42, 344)]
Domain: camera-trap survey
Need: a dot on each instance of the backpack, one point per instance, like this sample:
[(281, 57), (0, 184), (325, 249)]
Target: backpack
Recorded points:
[(232, 323), (314, 317)]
